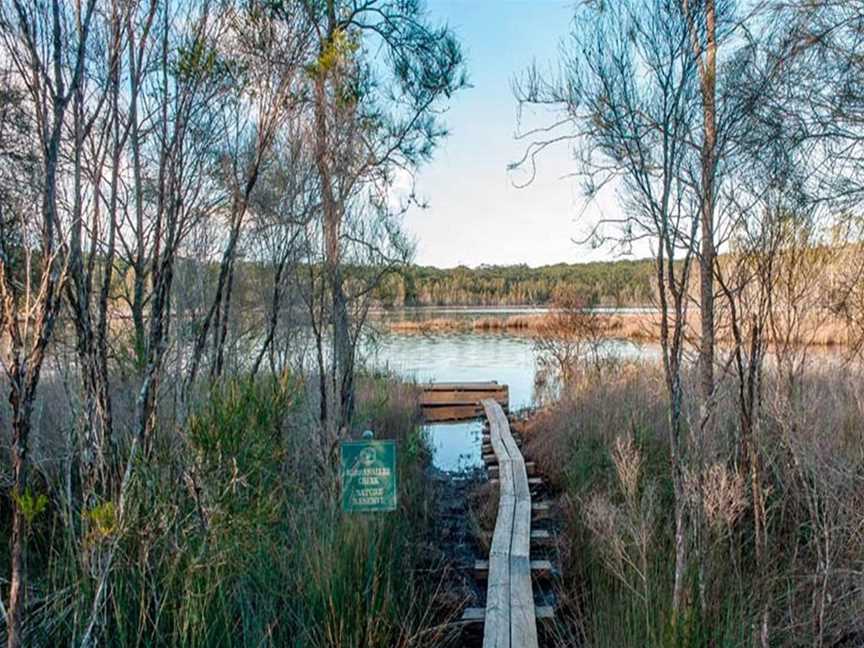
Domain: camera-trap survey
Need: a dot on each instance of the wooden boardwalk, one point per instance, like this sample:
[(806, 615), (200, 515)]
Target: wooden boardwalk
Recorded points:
[(460, 401), (510, 618)]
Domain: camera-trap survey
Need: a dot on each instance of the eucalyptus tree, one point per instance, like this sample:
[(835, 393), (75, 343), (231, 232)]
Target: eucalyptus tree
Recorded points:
[(377, 82), (626, 101), (46, 43)]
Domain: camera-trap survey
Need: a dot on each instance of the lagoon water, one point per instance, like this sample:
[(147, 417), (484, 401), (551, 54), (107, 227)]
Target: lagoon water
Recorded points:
[(461, 357)]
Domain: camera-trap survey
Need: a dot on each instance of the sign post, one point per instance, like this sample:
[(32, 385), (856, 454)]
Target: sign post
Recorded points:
[(368, 472)]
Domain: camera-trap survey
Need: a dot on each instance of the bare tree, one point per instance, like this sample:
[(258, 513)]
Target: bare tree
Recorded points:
[(47, 44), (627, 95)]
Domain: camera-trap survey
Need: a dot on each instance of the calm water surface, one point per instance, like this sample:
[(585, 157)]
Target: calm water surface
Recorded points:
[(472, 356), (461, 357)]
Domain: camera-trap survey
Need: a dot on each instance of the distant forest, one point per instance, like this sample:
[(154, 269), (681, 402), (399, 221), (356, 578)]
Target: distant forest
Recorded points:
[(610, 283)]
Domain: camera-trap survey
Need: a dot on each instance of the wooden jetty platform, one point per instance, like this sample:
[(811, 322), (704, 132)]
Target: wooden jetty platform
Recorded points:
[(460, 401), (510, 617)]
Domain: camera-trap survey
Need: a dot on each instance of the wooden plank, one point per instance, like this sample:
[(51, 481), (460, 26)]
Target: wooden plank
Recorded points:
[(493, 469), (442, 397), (486, 440), (541, 537), (491, 385), (541, 510), (509, 555), (520, 543), (451, 413), (473, 615), (532, 481), (496, 633), (478, 614), (523, 623), (539, 568)]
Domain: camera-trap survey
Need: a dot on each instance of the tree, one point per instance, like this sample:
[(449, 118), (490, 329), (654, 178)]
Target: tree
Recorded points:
[(626, 94), (371, 122), (264, 64), (47, 44), (174, 185)]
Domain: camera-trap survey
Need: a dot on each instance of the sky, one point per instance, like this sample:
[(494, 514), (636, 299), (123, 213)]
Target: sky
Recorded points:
[(476, 215)]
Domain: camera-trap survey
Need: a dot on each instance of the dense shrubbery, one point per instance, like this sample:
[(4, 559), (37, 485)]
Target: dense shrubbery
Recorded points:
[(232, 535), (604, 447)]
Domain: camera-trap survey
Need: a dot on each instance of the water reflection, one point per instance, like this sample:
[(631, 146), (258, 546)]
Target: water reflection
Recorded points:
[(462, 357), (456, 446)]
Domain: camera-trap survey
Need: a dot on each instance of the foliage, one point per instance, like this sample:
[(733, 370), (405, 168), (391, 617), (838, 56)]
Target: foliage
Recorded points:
[(30, 505), (231, 537), (607, 283)]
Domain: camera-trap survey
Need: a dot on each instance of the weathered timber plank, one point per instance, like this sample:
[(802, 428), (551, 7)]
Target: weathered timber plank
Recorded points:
[(523, 624), (443, 413), (539, 568), (464, 386), (520, 543), (532, 481), (493, 469), (541, 510), (496, 632), (542, 537), (478, 614), (458, 397), (509, 554)]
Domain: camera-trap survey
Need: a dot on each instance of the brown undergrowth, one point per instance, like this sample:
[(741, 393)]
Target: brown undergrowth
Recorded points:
[(602, 448), (818, 329)]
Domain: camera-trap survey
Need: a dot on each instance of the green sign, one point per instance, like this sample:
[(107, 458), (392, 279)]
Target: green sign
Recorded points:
[(368, 476)]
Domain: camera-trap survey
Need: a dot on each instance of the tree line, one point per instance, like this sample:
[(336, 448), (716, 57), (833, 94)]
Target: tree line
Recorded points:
[(607, 283)]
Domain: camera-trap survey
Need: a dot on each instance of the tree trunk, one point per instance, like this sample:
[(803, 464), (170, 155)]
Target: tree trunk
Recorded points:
[(342, 367), (708, 251), (20, 438)]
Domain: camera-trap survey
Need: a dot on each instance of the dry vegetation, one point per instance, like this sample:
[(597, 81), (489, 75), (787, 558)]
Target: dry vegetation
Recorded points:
[(604, 449), (817, 329)]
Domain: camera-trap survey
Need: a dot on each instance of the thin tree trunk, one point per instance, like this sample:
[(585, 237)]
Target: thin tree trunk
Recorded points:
[(17, 598)]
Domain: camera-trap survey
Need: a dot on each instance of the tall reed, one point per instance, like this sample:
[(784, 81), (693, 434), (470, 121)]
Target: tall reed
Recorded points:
[(231, 538)]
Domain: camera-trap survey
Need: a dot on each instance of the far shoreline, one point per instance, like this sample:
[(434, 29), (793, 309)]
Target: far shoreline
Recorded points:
[(635, 324)]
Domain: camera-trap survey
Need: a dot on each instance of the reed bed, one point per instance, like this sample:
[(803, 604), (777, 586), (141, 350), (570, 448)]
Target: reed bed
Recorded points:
[(819, 329), (234, 536), (466, 324), (603, 448)]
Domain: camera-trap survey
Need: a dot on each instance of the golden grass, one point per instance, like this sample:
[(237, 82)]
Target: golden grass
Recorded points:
[(448, 325), (816, 329)]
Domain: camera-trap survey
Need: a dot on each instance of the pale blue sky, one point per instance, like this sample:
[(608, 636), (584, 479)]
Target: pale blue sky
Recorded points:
[(475, 213)]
